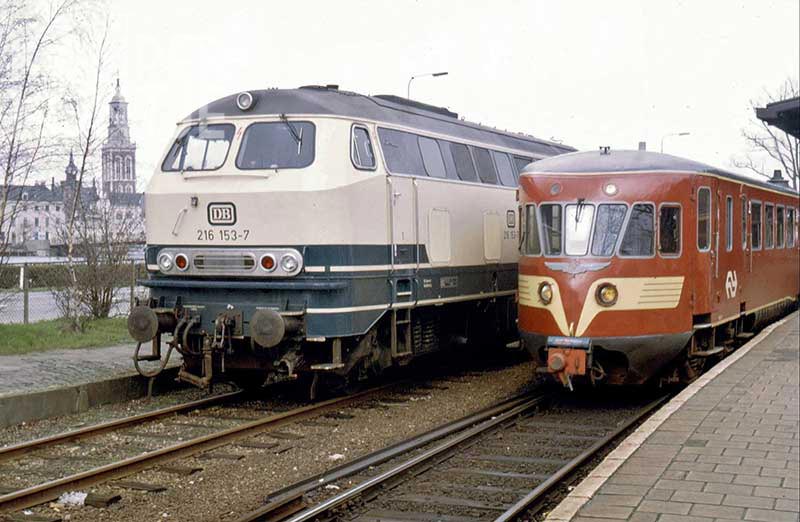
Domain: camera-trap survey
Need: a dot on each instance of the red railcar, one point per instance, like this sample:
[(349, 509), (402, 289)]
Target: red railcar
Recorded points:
[(637, 263)]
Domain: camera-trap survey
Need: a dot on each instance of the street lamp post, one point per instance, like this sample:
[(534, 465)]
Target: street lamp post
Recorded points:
[(671, 134), (408, 89)]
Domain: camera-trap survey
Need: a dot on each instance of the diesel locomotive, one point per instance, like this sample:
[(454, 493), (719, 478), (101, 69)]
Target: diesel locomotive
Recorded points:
[(637, 264), (318, 232)]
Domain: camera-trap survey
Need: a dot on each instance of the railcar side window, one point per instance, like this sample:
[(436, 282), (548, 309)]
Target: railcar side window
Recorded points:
[(728, 223), (769, 225), (669, 230), (520, 163), (790, 227), (779, 227), (361, 149), (277, 145), (755, 225), (639, 234), (531, 244), (744, 223), (610, 219), (432, 157), (401, 151), (507, 176), (485, 166), (704, 218), (199, 147), (463, 160), (577, 228), (551, 226)]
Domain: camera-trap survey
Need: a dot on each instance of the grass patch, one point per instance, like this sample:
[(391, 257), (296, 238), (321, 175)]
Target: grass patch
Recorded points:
[(16, 339)]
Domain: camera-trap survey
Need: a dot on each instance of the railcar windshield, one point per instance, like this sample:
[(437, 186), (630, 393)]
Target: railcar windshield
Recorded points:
[(199, 147), (277, 145), (577, 227)]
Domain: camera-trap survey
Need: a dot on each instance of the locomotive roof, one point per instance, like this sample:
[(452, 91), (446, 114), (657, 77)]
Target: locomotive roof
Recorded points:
[(636, 161), (382, 108)]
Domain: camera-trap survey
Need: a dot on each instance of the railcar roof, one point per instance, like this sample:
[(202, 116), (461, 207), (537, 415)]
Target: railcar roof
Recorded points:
[(388, 109), (635, 161)]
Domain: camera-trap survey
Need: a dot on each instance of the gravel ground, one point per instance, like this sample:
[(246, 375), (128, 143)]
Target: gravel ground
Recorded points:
[(235, 479)]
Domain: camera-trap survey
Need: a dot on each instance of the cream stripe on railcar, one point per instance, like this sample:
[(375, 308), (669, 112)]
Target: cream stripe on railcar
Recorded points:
[(528, 296)]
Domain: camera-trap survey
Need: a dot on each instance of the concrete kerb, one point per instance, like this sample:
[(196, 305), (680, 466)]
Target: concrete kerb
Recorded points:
[(569, 506), (24, 407)]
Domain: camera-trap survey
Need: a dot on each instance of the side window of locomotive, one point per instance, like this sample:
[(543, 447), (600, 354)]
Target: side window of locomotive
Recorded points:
[(277, 145), (639, 237), (432, 157), (551, 226), (744, 223), (504, 169), (779, 230), (447, 156), (669, 230), (520, 162), (728, 223), (577, 228), (401, 151), (531, 244), (463, 161), (769, 225), (199, 147), (610, 218), (790, 227), (755, 225), (485, 166), (361, 152), (704, 219)]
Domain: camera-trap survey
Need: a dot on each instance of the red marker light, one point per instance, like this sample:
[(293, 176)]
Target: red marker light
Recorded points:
[(181, 262), (268, 263)]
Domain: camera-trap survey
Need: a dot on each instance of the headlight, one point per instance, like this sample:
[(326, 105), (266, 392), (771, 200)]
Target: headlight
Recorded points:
[(165, 262), (289, 263), (545, 293), (244, 101), (606, 294)]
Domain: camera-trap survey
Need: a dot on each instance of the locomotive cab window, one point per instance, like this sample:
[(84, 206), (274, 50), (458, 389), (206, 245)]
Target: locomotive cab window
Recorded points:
[(769, 225), (779, 224), (199, 147), (669, 230), (530, 239), (277, 145), (577, 228), (755, 225), (361, 152), (728, 223), (638, 240), (704, 219), (610, 218), (551, 227)]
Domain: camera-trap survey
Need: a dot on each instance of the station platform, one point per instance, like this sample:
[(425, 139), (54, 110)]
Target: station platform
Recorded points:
[(58, 382), (726, 448)]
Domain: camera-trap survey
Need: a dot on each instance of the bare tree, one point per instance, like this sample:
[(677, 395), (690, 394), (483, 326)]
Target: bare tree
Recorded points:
[(766, 141)]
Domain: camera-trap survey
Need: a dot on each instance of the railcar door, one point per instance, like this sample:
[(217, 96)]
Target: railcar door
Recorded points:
[(706, 266), (404, 241)]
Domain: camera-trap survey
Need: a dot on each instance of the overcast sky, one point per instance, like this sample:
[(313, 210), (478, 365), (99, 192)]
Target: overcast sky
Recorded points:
[(586, 72)]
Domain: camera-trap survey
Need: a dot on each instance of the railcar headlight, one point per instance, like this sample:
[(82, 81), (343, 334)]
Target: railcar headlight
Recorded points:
[(244, 101), (165, 262), (181, 262), (289, 263), (606, 294), (545, 292)]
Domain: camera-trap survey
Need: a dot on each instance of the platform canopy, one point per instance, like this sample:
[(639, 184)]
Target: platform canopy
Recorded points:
[(784, 114)]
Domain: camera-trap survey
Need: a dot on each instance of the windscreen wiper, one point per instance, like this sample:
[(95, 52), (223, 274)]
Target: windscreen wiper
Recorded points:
[(297, 137)]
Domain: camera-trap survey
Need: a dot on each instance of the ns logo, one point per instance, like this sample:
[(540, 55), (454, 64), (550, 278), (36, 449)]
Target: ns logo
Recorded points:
[(731, 283)]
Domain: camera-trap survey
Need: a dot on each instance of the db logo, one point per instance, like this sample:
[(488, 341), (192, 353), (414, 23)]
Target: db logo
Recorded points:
[(731, 283), (221, 214)]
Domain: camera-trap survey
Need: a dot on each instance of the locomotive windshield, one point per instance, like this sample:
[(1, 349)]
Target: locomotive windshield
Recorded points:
[(277, 145), (199, 147)]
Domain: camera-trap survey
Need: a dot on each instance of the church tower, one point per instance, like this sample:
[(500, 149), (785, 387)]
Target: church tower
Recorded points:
[(69, 186), (119, 153)]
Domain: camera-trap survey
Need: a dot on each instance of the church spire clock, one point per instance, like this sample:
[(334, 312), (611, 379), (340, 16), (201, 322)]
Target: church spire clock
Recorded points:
[(118, 151)]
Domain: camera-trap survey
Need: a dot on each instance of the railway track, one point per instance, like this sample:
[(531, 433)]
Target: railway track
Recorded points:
[(36, 459), (493, 465)]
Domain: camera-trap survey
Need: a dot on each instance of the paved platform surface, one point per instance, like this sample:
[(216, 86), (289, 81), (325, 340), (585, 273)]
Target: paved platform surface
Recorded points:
[(726, 448), (41, 371)]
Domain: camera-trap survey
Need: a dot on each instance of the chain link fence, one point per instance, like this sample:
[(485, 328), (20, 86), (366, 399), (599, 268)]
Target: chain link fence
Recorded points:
[(30, 292)]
